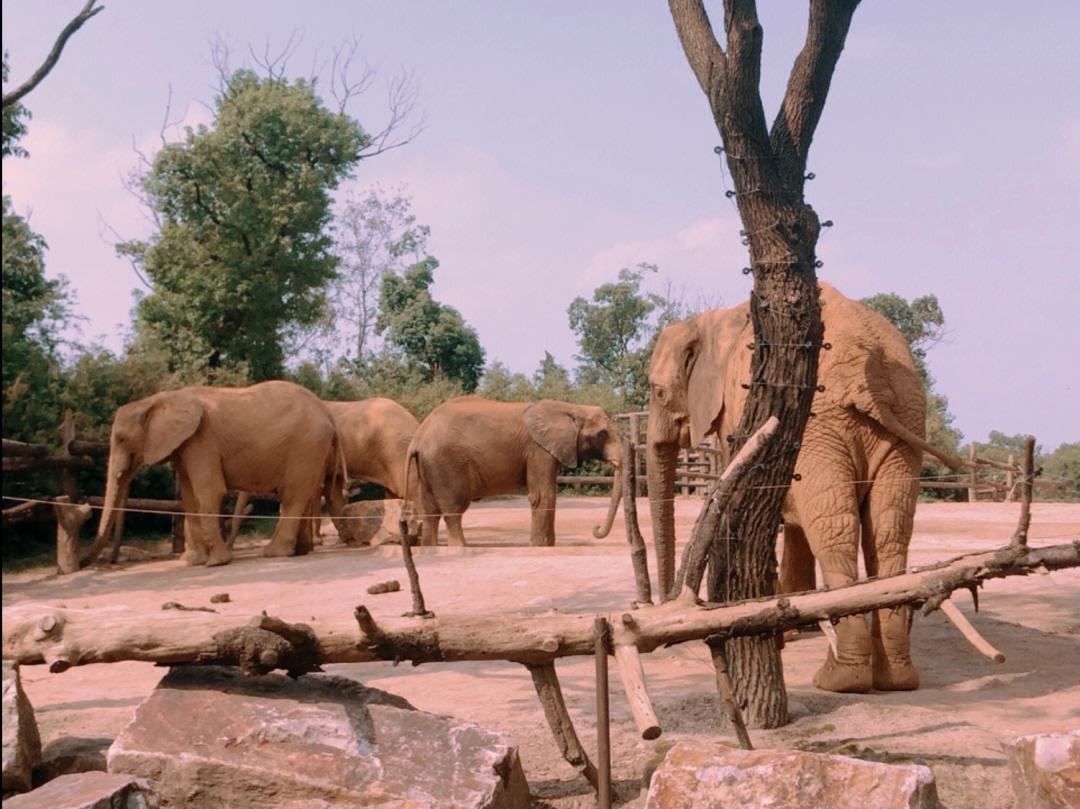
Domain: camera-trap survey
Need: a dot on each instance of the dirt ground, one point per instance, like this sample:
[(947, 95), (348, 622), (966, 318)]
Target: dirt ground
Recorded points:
[(955, 723)]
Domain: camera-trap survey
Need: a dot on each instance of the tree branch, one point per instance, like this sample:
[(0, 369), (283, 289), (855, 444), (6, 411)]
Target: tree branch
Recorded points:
[(85, 14), (82, 636), (703, 52), (808, 84)]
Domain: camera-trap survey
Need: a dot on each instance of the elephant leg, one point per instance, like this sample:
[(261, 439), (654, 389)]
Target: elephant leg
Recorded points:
[(887, 524), (194, 548), (797, 573), (429, 531), (833, 534), (305, 534), (454, 534), (209, 489), (540, 480)]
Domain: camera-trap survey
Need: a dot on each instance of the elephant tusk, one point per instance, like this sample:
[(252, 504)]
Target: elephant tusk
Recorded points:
[(960, 621)]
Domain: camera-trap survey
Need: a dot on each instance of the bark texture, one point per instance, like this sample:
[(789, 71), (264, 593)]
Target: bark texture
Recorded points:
[(768, 168)]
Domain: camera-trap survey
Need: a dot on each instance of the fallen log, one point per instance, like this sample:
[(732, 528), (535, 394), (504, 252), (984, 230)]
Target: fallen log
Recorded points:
[(82, 636), (20, 449), (21, 464)]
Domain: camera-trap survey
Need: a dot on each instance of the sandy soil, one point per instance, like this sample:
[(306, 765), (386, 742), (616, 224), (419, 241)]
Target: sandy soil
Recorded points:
[(955, 723)]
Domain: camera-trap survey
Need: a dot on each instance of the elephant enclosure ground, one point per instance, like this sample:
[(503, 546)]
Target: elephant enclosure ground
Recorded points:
[(955, 723)]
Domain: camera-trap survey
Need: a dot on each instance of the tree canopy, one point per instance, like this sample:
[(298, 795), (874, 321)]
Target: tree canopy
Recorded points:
[(242, 255), (430, 334)]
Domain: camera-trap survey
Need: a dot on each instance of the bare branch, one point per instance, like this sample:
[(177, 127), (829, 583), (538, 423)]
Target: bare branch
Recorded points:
[(342, 87), (401, 98), (703, 52), (88, 11), (276, 65), (219, 58), (808, 84)]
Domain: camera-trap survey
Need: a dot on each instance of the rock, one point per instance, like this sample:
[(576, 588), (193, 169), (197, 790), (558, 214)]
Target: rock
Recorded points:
[(391, 586), (88, 790), (72, 754), (1045, 770), (211, 737), (360, 522), (710, 776), (22, 744), (220, 598)]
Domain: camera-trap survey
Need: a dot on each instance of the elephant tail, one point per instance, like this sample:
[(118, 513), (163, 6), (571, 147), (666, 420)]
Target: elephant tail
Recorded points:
[(413, 458)]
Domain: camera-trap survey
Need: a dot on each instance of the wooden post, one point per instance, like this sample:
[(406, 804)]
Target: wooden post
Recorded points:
[(632, 676), (603, 720), (1027, 486), (1010, 481), (67, 435), (546, 682), (69, 520), (974, 479), (727, 693)]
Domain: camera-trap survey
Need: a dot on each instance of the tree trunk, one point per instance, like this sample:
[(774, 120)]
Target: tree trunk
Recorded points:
[(781, 230)]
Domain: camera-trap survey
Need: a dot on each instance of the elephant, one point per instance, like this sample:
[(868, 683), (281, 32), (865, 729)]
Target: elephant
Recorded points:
[(469, 448), (273, 436), (374, 436), (856, 472)]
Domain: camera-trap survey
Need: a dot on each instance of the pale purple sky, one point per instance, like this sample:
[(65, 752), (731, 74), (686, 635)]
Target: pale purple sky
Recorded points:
[(566, 140)]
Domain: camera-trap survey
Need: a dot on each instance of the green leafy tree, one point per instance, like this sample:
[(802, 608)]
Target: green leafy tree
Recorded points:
[(242, 255), (429, 334), (35, 310), (616, 331), (1061, 468), (15, 116), (503, 386)]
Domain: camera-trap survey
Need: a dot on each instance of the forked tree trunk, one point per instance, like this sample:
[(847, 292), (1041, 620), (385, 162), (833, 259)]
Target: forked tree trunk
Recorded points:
[(781, 230)]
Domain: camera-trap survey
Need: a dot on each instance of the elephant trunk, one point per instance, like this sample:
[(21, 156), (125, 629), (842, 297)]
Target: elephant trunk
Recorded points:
[(601, 531), (661, 477), (117, 483)]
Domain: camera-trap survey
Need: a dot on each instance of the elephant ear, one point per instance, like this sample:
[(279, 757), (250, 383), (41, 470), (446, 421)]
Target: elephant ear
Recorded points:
[(719, 334), (552, 425), (170, 421)]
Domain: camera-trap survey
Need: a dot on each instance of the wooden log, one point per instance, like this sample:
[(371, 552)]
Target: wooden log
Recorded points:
[(727, 692), (105, 635), (67, 435), (632, 676), (830, 635), (21, 512), (61, 462), (20, 449), (603, 720), (1010, 480), (546, 682), (93, 449), (1026, 490), (144, 504), (974, 475), (960, 621), (585, 480), (69, 520), (954, 484)]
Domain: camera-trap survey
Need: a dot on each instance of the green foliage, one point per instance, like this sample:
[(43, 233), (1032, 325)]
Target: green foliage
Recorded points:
[(242, 256), (431, 336), (616, 332), (14, 122), (35, 309), (1062, 468), (920, 321)]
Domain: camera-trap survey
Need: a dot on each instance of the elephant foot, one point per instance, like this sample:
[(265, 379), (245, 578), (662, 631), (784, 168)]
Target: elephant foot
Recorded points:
[(847, 678), (219, 556), (894, 675), (193, 557), (279, 549)]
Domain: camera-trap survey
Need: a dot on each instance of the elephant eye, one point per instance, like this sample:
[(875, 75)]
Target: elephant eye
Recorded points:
[(660, 392)]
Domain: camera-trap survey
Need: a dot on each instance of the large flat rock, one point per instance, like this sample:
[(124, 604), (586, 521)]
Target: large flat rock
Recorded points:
[(22, 744), (88, 790), (1045, 770), (709, 775), (212, 737)]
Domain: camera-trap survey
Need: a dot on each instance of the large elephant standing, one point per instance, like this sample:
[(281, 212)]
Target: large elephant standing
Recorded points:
[(858, 466), (470, 448), (274, 436), (375, 436)]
